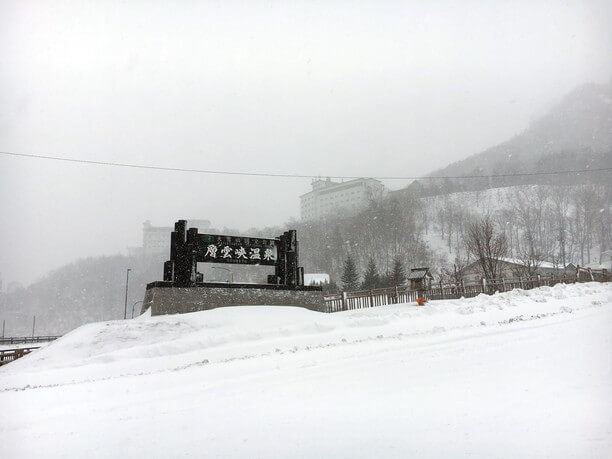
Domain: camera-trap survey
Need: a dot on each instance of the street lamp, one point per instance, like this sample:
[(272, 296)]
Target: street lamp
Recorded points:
[(135, 305), (127, 283), (225, 269)]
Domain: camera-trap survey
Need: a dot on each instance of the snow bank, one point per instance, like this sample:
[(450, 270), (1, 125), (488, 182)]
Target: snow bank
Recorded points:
[(148, 344), (520, 374)]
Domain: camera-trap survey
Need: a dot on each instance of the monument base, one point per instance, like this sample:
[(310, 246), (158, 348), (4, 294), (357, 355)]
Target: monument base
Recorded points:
[(166, 298)]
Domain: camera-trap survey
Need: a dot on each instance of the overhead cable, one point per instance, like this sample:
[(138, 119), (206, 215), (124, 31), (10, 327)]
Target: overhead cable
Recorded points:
[(282, 175)]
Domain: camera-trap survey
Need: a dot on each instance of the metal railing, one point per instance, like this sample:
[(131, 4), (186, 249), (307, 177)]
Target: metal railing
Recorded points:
[(27, 339)]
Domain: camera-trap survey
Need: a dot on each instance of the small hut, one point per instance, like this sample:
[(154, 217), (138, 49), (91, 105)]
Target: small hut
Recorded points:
[(420, 279)]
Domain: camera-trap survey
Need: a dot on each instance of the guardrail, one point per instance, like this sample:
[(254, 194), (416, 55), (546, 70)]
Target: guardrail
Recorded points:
[(28, 339)]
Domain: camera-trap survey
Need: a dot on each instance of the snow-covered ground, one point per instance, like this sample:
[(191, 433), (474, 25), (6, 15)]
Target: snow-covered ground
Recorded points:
[(519, 374)]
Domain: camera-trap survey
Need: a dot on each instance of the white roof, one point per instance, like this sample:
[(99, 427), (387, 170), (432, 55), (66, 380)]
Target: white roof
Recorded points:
[(316, 278), (418, 273), (516, 261), (603, 265)]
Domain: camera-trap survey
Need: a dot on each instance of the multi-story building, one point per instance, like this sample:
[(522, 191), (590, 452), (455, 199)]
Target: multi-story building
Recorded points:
[(157, 238), (327, 197)]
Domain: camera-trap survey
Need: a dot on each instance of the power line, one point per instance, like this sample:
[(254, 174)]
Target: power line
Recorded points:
[(269, 174)]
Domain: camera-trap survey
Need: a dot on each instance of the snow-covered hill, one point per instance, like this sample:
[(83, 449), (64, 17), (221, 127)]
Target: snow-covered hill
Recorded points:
[(519, 374), (544, 210), (575, 134)]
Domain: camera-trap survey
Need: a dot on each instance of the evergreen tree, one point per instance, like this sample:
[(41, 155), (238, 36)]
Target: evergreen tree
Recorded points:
[(383, 280), (330, 287), (350, 276), (371, 279), (397, 276)]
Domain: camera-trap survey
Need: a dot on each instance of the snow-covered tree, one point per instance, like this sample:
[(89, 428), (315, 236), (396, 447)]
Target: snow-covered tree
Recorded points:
[(350, 276), (397, 276), (371, 278), (487, 245)]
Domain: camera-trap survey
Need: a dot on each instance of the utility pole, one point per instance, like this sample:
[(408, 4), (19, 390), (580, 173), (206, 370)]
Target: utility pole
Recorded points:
[(33, 325), (127, 282)]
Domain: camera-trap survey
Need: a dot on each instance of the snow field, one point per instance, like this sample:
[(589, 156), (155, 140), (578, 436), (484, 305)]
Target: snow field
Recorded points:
[(519, 374), (115, 348)]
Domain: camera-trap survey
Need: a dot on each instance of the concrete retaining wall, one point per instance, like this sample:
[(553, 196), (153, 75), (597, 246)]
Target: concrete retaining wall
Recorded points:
[(164, 298)]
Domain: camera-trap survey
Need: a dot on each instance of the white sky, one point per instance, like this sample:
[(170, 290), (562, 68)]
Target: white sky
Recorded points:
[(322, 88)]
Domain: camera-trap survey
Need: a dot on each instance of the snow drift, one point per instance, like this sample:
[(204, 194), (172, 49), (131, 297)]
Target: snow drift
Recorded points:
[(149, 344), (519, 374)]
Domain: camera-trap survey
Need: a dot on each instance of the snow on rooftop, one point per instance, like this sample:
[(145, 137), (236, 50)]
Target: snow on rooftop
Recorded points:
[(543, 264), (418, 273), (316, 279), (603, 265)]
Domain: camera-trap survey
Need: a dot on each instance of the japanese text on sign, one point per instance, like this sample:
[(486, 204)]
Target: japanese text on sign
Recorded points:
[(233, 249)]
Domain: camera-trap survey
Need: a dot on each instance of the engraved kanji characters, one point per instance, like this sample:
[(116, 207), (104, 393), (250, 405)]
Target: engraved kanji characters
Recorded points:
[(226, 252), (211, 251), (232, 252)]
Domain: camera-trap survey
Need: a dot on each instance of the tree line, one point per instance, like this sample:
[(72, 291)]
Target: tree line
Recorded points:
[(373, 248), (557, 224), (532, 224)]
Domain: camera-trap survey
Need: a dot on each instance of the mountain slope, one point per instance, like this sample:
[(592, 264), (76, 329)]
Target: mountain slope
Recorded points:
[(575, 134)]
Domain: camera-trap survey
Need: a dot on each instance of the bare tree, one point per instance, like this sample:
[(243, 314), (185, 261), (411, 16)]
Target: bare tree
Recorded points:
[(487, 246), (453, 274), (530, 262), (561, 204)]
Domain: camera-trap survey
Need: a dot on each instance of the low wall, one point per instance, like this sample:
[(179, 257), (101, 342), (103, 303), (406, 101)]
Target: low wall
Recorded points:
[(165, 298)]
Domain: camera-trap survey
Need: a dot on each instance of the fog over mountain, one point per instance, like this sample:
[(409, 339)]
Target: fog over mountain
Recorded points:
[(575, 134), (374, 89)]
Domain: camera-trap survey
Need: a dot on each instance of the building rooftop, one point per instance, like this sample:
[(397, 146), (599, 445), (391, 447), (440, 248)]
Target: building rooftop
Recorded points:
[(516, 261), (419, 273), (334, 186)]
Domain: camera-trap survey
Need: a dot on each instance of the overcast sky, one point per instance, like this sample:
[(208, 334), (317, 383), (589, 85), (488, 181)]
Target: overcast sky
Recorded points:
[(311, 87)]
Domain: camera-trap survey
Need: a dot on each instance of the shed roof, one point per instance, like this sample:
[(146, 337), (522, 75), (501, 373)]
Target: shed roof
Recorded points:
[(419, 273)]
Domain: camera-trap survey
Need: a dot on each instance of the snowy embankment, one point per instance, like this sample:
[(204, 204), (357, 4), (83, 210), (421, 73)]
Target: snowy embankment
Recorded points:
[(116, 348), (5, 347), (518, 374)]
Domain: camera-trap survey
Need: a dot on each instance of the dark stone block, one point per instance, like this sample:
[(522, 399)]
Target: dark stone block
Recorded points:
[(167, 298)]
